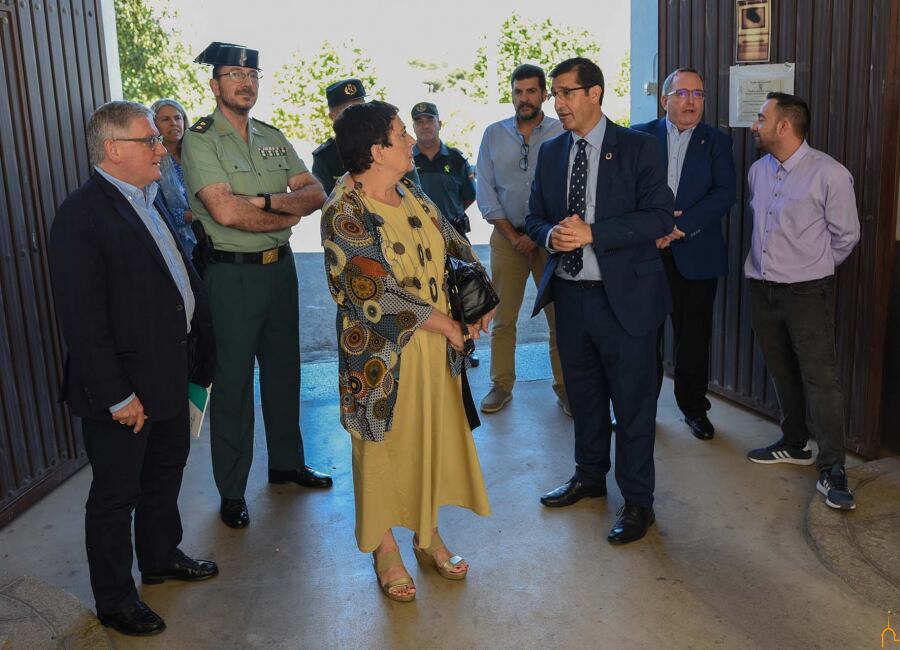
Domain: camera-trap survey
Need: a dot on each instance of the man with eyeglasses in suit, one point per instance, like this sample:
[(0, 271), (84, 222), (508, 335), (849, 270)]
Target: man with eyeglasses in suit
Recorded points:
[(699, 163), (248, 187), (505, 169)]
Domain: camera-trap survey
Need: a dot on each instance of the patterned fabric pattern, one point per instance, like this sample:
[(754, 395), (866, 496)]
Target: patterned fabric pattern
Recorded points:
[(573, 261), (376, 316)]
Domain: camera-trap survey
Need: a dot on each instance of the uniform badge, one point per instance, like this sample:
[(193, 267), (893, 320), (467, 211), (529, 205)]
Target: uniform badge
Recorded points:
[(447, 168), (421, 108), (350, 89)]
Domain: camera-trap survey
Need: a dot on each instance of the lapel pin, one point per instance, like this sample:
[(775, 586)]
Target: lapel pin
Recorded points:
[(703, 141), (609, 156)]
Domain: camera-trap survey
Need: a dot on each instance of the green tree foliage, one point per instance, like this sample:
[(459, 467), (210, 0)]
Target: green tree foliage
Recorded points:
[(153, 61), (302, 111), (520, 40)]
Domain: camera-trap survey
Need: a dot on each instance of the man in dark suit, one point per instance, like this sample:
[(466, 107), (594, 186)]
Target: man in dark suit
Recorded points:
[(599, 202), (135, 320), (700, 170)]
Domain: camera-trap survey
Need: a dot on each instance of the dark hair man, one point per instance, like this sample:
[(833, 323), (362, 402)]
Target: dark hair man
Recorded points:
[(805, 224), (599, 203), (505, 169)]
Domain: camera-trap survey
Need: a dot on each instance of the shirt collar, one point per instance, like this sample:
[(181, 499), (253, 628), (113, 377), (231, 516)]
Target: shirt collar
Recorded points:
[(145, 195), (512, 124), (595, 136), (795, 157), (443, 151)]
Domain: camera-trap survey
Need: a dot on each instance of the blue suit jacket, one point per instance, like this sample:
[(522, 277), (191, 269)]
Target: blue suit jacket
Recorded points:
[(634, 209), (706, 192)]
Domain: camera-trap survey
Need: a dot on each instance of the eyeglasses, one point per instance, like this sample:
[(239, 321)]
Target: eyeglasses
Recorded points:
[(523, 163), (240, 75), (565, 92), (684, 93), (151, 141)]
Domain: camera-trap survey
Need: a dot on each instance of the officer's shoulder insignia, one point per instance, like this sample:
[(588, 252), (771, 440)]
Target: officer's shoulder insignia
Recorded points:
[(274, 128), (202, 125), (322, 147)]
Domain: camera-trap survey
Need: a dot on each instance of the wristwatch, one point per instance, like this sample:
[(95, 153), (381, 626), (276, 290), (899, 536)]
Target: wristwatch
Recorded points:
[(268, 197)]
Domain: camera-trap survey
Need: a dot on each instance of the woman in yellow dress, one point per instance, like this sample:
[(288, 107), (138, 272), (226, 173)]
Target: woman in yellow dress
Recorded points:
[(399, 350)]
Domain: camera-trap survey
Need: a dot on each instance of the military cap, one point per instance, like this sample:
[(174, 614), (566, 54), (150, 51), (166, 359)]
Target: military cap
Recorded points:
[(217, 53), (424, 108), (343, 91)]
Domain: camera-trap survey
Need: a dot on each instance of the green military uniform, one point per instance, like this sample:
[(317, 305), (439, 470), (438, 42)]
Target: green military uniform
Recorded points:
[(447, 180), (328, 168), (253, 299)]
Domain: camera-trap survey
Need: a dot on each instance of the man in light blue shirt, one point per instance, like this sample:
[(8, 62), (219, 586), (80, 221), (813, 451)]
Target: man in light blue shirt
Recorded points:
[(506, 163)]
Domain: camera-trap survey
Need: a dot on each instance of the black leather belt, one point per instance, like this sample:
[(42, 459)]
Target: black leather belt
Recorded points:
[(588, 284), (769, 283), (262, 257)]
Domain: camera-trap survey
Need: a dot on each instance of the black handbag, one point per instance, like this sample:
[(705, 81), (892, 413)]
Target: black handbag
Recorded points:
[(471, 296), (471, 293)]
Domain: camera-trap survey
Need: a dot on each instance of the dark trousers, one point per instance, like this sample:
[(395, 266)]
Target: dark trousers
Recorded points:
[(255, 315), (601, 362), (138, 473), (692, 313), (794, 326)]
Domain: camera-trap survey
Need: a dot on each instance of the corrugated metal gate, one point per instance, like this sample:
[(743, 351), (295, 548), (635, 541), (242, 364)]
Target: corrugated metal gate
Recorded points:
[(52, 76), (846, 68)]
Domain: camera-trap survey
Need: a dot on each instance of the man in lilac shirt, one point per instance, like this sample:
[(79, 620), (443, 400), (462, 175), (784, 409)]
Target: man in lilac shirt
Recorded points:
[(805, 224)]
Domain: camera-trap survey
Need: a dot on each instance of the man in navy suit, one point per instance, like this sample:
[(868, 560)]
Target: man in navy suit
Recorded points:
[(700, 166), (136, 323), (598, 203)]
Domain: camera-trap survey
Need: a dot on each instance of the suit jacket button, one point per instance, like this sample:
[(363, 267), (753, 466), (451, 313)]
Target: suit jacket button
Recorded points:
[(179, 307), (182, 342)]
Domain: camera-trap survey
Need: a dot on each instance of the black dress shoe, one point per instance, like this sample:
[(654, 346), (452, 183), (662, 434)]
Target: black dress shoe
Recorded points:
[(135, 620), (185, 569), (701, 427), (572, 492), (307, 477), (632, 524), (234, 513)]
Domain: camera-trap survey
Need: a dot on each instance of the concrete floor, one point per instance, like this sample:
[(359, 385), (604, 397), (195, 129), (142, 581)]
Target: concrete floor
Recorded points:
[(727, 565)]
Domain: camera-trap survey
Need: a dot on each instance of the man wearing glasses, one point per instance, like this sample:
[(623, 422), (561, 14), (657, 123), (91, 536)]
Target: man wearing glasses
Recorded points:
[(248, 188), (505, 169), (599, 203), (135, 319), (699, 164)]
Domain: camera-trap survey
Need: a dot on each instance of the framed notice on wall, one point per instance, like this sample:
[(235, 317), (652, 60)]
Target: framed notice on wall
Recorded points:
[(748, 86), (754, 30)]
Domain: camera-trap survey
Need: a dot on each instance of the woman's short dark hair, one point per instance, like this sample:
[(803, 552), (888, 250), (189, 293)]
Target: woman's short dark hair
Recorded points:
[(529, 71), (358, 128), (587, 73)]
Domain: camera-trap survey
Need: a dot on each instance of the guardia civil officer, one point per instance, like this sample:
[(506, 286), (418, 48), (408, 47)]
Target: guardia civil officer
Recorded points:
[(248, 188), (327, 165)]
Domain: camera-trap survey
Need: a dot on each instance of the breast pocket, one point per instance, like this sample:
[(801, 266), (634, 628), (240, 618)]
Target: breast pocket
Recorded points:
[(276, 174)]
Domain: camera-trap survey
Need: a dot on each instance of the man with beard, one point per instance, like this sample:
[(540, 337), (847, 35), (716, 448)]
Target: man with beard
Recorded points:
[(805, 224), (237, 170), (505, 169)]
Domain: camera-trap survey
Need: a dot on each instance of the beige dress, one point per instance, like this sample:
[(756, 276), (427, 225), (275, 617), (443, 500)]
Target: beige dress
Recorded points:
[(428, 458)]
